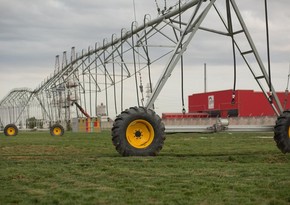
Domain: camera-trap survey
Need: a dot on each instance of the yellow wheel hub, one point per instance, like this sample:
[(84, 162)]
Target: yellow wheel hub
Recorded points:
[(289, 132), (140, 134), (56, 131), (11, 131)]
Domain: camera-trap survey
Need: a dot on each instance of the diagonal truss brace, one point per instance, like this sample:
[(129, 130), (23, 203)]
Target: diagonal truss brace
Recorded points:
[(188, 33)]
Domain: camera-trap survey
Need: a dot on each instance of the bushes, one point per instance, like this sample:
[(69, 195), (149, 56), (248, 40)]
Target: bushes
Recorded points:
[(33, 122)]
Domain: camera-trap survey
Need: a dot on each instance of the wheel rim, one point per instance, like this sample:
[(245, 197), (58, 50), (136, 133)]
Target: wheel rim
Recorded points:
[(289, 132), (11, 131), (56, 131), (140, 134)]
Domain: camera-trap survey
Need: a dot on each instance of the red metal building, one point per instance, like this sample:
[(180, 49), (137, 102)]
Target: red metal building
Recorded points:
[(247, 103)]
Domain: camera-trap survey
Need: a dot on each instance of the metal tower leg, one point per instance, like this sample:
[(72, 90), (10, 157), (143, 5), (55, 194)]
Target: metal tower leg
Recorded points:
[(258, 77), (188, 33)]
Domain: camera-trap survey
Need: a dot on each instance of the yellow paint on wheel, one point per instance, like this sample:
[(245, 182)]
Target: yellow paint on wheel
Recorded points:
[(140, 134), (57, 131), (11, 131), (289, 132)]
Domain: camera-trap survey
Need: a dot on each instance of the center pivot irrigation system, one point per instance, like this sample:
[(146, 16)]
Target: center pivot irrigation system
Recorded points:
[(115, 70)]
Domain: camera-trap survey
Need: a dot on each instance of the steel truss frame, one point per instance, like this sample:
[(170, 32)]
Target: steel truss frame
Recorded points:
[(99, 73)]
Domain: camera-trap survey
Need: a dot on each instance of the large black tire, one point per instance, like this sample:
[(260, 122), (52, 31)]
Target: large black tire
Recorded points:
[(56, 130), (10, 130), (282, 132), (138, 132)]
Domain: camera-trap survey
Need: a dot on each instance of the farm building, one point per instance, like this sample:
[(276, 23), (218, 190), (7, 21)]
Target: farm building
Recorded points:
[(246, 103)]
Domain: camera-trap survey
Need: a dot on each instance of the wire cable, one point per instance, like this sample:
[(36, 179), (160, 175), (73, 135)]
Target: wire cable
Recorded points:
[(134, 7), (268, 52), (230, 29), (158, 8), (181, 64)]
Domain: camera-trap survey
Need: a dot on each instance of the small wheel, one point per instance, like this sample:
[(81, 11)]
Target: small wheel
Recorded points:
[(138, 132), (282, 132), (56, 130), (10, 130)]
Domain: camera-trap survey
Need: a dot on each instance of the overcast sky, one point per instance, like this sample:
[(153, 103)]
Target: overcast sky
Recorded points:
[(33, 32)]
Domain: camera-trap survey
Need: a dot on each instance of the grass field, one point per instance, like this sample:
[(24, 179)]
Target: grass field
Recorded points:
[(78, 168)]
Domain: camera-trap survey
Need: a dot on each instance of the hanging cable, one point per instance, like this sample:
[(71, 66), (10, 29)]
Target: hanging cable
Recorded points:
[(165, 7), (231, 34), (134, 7), (148, 61), (268, 53), (158, 8), (106, 83), (135, 69), (141, 88), (114, 77), (181, 63), (135, 65), (235, 72)]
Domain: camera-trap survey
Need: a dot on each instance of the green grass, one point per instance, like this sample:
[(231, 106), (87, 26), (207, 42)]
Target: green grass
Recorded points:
[(78, 168)]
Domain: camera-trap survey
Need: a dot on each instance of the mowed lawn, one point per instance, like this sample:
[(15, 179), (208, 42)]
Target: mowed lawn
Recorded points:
[(80, 168)]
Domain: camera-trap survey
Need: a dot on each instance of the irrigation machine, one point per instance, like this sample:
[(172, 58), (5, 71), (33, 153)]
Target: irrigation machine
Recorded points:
[(116, 71)]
